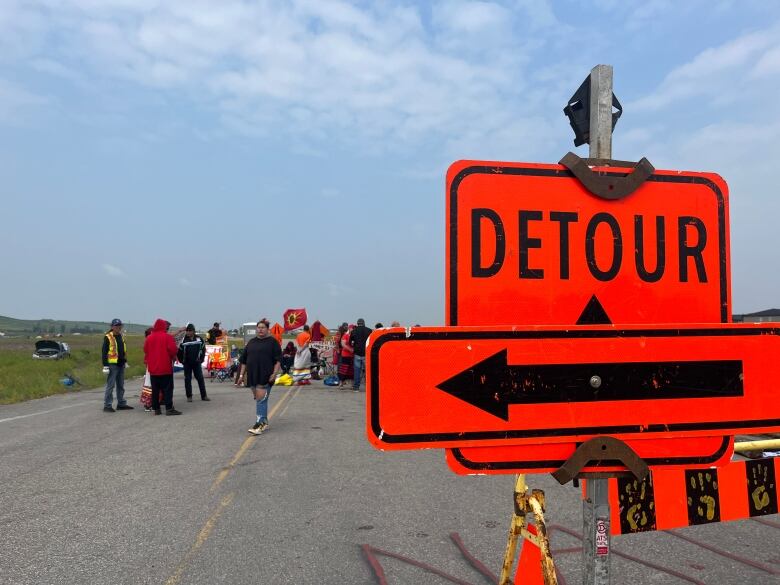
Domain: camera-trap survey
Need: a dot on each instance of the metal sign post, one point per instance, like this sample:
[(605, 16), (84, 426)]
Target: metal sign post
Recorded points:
[(595, 508)]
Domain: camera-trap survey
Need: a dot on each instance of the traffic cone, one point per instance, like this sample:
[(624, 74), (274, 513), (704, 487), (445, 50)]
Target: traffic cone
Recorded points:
[(529, 566)]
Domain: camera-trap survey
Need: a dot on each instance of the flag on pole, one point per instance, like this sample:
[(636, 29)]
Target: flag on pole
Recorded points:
[(294, 318)]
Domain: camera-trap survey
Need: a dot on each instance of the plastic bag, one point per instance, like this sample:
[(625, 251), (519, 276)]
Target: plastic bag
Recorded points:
[(284, 380), (332, 381)]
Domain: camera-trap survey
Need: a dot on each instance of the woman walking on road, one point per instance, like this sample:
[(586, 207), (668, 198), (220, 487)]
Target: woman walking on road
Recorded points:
[(260, 363)]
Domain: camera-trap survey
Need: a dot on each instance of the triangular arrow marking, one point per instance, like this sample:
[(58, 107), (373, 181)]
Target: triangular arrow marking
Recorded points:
[(594, 314)]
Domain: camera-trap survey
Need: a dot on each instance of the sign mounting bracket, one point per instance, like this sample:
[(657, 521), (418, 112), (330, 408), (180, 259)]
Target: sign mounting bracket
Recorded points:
[(601, 449), (608, 186)]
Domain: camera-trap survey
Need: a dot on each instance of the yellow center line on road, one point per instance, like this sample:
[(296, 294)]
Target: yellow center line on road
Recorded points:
[(286, 406), (228, 499), (247, 443), (202, 536)]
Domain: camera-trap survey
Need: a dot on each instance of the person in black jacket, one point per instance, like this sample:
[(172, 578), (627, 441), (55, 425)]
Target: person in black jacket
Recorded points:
[(260, 363), (190, 354), (214, 333), (358, 340)]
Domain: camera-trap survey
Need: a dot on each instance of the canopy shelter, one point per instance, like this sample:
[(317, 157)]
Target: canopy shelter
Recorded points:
[(319, 332)]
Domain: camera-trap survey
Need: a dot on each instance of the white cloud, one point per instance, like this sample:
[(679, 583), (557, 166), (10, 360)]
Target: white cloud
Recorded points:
[(113, 271), (184, 282), (328, 70), (540, 12), (17, 103), (768, 65), (464, 17), (339, 290), (54, 67), (721, 75)]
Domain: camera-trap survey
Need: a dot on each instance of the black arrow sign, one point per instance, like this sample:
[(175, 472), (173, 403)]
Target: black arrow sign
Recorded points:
[(492, 385)]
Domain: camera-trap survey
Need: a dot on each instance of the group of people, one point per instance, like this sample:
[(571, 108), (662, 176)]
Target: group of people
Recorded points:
[(160, 352), (349, 352), (299, 357), (261, 361)]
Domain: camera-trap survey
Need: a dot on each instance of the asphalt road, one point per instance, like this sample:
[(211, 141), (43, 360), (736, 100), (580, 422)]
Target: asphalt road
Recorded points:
[(93, 497)]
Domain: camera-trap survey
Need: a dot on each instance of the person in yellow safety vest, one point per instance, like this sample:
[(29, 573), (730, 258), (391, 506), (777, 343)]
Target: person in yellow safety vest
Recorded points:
[(115, 359)]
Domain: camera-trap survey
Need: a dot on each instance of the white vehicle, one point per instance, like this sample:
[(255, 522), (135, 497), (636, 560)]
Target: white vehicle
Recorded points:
[(248, 330), (48, 349)]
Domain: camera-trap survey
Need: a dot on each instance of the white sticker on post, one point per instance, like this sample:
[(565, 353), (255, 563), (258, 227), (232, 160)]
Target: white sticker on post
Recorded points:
[(602, 540)]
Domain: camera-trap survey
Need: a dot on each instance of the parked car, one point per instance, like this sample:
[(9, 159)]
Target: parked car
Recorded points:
[(48, 349)]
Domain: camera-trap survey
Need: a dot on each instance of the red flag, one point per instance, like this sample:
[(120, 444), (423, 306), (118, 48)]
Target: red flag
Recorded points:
[(294, 318)]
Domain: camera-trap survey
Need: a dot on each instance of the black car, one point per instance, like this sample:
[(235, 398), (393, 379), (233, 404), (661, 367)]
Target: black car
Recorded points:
[(48, 349)]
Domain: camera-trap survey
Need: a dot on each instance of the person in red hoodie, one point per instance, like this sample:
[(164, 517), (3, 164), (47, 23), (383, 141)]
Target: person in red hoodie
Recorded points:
[(159, 353)]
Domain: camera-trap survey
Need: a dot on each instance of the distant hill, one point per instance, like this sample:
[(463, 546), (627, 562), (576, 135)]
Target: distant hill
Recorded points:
[(11, 326)]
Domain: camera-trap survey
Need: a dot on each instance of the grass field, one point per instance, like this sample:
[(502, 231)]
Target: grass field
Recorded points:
[(23, 378), (21, 327)]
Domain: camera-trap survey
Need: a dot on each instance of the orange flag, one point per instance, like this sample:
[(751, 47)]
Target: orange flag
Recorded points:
[(276, 331)]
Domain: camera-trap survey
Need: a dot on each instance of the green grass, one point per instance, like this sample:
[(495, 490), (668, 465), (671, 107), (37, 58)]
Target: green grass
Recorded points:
[(23, 378), (17, 327)]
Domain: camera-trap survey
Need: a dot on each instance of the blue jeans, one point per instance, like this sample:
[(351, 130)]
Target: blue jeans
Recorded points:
[(359, 363), (261, 408), (116, 377)]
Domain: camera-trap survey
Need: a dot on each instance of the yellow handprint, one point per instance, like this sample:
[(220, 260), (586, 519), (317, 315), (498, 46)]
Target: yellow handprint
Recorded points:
[(761, 485), (709, 501), (702, 497), (637, 505), (760, 498)]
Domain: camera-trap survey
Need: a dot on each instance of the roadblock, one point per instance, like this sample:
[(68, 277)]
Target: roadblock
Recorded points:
[(674, 498), (588, 334)]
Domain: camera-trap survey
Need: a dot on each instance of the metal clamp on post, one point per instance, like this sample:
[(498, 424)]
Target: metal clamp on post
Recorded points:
[(604, 185), (603, 449)]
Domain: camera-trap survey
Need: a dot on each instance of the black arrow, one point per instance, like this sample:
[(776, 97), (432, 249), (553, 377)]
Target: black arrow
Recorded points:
[(492, 385)]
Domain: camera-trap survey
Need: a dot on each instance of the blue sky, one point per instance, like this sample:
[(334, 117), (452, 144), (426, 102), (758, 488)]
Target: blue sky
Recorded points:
[(227, 160)]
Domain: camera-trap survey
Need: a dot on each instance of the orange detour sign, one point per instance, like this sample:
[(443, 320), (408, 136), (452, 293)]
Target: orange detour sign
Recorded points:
[(538, 385), (528, 243), (672, 498)]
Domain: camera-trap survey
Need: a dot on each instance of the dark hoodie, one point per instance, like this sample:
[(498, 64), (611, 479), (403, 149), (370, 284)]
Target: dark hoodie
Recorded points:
[(160, 350)]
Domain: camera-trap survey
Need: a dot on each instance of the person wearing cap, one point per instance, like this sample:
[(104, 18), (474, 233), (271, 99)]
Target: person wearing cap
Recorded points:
[(214, 333), (115, 359), (357, 340), (159, 352), (191, 352)]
